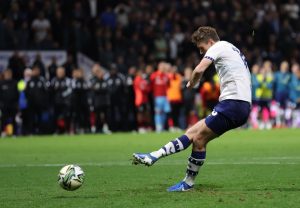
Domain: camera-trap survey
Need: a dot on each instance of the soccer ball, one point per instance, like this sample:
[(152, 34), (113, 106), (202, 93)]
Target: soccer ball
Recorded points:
[(71, 177)]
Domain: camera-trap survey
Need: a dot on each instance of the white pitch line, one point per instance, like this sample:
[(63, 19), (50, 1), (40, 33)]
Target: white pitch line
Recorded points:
[(109, 164)]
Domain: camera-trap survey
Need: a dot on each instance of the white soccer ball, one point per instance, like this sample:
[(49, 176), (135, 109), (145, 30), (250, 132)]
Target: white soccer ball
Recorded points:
[(71, 177)]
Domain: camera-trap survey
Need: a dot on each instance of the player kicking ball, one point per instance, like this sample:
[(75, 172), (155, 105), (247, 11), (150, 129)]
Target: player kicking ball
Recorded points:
[(231, 112)]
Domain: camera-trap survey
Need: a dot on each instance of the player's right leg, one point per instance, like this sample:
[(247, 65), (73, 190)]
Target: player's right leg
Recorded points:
[(199, 135), (171, 147)]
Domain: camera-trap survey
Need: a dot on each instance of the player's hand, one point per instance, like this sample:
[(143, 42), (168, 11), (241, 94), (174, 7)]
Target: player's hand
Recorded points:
[(189, 85)]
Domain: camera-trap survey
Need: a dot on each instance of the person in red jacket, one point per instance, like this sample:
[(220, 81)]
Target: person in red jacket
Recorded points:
[(159, 84), (142, 89)]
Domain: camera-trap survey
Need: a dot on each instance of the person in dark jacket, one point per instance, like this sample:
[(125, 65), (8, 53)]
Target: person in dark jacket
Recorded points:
[(37, 97), (17, 64), (25, 117), (52, 68), (61, 97), (38, 62), (79, 104), (131, 122), (100, 99), (116, 83), (8, 102)]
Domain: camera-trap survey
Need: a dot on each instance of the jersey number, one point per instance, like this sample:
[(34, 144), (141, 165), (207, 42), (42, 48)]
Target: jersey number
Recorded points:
[(242, 56)]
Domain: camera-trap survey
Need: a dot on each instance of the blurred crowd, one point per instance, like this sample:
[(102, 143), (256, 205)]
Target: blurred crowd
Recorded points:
[(153, 98), (275, 95), (145, 58), (145, 31)]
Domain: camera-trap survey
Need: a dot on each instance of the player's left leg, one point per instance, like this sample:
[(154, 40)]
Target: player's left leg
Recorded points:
[(204, 131), (200, 134)]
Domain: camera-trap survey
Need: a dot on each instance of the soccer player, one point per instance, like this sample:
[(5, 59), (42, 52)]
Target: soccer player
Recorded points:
[(231, 112), (159, 83)]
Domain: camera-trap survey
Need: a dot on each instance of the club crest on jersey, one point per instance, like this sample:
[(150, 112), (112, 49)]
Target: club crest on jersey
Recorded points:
[(214, 113)]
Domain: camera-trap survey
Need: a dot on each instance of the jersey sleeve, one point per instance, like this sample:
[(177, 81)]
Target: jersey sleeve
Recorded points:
[(213, 53)]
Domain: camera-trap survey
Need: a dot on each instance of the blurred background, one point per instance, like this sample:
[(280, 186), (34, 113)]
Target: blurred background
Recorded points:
[(103, 66)]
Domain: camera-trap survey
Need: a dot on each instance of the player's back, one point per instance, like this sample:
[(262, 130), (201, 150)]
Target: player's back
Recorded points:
[(231, 66)]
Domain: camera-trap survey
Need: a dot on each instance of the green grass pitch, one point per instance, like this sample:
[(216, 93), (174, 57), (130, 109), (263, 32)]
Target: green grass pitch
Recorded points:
[(244, 168)]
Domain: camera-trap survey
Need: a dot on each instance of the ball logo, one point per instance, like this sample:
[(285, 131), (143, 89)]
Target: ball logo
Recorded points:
[(214, 113)]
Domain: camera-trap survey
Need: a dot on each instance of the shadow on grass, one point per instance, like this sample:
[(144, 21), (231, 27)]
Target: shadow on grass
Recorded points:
[(197, 188)]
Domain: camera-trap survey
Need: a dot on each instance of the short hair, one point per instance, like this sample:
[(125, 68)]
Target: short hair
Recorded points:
[(203, 34)]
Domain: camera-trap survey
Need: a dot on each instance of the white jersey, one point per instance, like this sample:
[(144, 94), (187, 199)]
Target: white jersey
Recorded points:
[(234, 74)]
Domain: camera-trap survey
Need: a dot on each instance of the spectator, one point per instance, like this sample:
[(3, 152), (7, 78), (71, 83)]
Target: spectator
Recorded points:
[(142, 90), (148, 72), (61, 92), (51, 72), (131, 123), (190, 116), (161, 47), (255, 102), (39, 63), (255, 84), (281, 84), (159, 85), (8, 103), (79, 103), (292, 113), (100, 100), (36, 92), (17, 65), (108, 18), (116, 84), (265, 93), (69, 65), (41, 26), (25, 120), (175, 41), (210, 92), (174, 96)]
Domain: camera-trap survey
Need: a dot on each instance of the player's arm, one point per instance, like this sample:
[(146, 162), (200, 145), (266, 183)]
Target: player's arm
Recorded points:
[(198, 72)]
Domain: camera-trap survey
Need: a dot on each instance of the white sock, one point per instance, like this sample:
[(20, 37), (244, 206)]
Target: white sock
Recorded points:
[(172, 147), (193, 169)]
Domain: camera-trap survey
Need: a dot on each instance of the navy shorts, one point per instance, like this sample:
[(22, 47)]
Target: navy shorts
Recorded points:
[(228, 114)]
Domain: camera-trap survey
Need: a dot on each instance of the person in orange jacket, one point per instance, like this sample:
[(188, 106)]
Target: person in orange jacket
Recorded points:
[(174, 95), (210, 92)]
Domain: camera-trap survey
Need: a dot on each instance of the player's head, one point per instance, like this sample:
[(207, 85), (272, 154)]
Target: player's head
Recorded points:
[(100, 73), (284, 66), (77, 73), (96, 67), (204, 38), (149, 69), (27, 74), (36, 71), (161, 66), (60, 72), (7, 74), (255, 69), (296, 69), (188, 73)]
